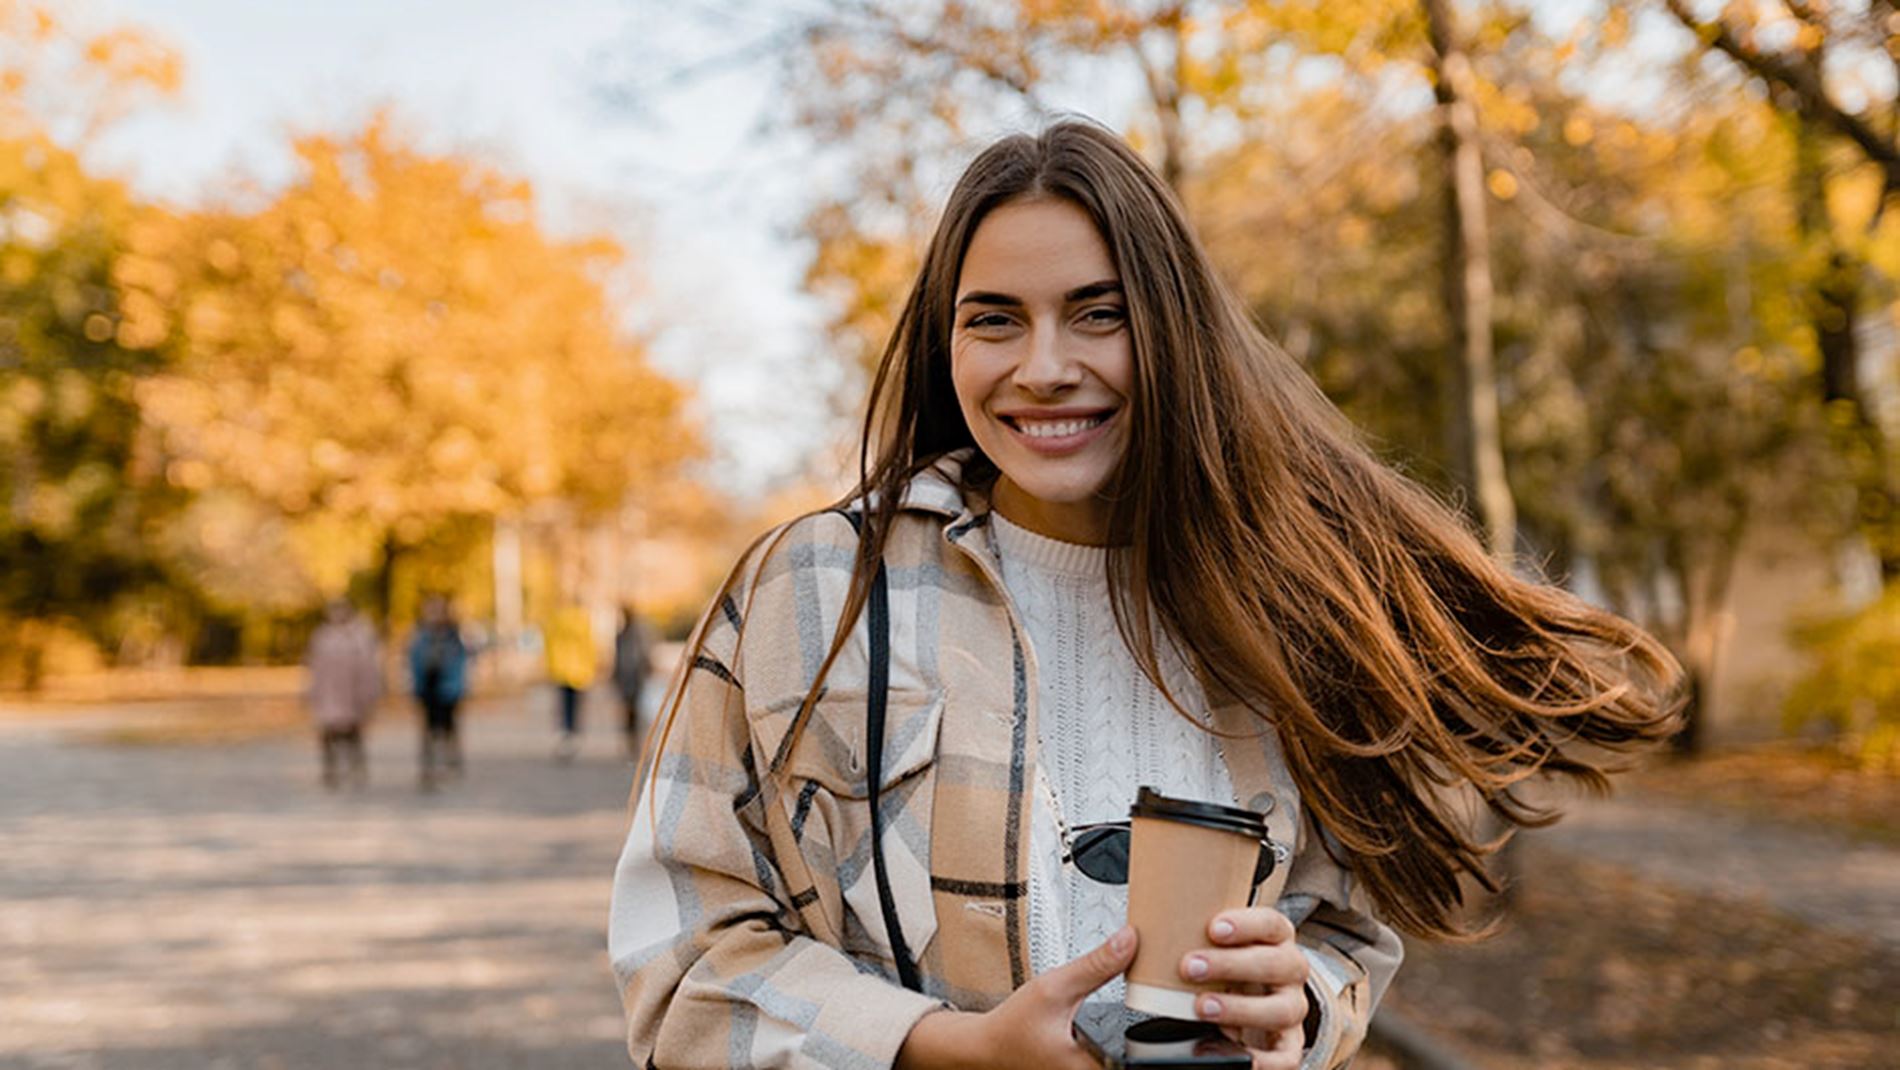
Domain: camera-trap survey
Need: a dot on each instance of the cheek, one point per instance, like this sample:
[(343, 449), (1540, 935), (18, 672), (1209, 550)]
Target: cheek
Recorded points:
[(1115, 365), (973, 382)]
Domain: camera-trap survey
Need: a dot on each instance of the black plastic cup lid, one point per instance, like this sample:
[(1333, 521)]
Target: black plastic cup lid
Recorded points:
[(1151, 803)]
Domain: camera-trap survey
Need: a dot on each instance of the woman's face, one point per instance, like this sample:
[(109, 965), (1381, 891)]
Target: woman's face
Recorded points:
[(1042, 363)]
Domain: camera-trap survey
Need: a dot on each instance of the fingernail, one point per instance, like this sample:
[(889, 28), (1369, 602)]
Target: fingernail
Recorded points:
[(1196, 967), (1223, 929), (1210, 1007), (1122, 940)]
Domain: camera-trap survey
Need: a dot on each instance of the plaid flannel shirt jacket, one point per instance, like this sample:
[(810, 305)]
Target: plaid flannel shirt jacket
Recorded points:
[(745, 928)]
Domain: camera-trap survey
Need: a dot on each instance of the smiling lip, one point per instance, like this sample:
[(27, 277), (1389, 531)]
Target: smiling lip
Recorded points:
[(1076, 428)]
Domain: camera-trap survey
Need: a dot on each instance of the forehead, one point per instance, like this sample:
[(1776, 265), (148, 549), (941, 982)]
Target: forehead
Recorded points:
[(1036, 246)]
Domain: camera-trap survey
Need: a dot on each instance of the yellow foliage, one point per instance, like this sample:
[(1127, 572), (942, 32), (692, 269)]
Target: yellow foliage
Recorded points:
[(1854, 684), (394, 339), (57, 75)]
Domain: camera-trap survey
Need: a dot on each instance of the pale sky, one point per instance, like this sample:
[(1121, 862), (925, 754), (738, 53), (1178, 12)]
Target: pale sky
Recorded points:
[(703, 204)]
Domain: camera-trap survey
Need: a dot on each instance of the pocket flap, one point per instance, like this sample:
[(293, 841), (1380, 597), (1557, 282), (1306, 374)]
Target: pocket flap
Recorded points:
[(833, 749)]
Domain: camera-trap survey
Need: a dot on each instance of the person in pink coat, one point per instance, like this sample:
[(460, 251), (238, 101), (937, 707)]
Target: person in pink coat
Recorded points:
[(346, 681)]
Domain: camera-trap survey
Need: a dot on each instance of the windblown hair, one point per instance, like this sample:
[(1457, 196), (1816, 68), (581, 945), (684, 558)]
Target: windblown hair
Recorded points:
[(1359, 617), (1404, 670)]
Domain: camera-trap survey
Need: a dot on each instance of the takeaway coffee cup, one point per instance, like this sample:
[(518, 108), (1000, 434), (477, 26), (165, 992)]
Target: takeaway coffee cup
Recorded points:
[(1187, 861)]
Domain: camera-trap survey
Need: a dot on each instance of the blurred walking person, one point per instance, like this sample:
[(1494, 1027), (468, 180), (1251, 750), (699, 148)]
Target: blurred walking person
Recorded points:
[(573, 662), (346, 682), (632, 662), (438, 670)]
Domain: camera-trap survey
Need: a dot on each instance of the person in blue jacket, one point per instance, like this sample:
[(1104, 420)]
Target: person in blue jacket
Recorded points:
[(438, 670)]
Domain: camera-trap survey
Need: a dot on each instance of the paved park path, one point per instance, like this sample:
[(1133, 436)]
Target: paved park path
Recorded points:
[(210, 906)]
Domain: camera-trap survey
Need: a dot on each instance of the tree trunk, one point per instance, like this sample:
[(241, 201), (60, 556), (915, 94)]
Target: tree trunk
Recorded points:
[(33, 659), (386, 581), (1473, 428), (1705, 581), (1164, 91), (1834, 305)]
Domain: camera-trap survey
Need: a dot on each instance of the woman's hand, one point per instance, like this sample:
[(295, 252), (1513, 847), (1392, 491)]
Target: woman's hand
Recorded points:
[(1254, 952), (1030, 1028)]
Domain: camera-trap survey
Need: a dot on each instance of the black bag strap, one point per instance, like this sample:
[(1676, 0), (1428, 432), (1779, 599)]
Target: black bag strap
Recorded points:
[(879, 626)]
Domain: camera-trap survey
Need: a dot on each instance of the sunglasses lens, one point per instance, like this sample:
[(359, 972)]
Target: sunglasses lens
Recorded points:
[(1102, 855), (1269, 859)]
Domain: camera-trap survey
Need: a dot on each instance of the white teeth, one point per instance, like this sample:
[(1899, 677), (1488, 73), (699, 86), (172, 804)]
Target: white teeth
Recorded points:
[(1056, 428)]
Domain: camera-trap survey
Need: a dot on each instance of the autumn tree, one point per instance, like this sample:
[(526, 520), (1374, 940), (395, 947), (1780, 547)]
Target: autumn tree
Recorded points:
[(1475, 445), (77, 494), (1645, 358), (1816, 58), (68, 81), (392, 343), (1352, 164)]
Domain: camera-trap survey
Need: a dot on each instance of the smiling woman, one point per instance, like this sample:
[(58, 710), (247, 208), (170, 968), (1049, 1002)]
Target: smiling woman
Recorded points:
[(1107, 537), (1043, 365)]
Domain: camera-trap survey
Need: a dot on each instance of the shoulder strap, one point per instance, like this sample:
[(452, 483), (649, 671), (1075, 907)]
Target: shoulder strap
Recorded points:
[(879, 626)]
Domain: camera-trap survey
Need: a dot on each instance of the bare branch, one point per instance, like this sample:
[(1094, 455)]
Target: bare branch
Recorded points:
[(881, 20), (1801, 78), (1548, 212)]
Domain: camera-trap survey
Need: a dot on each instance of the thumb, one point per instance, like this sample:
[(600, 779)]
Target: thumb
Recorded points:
[(1073, 981)]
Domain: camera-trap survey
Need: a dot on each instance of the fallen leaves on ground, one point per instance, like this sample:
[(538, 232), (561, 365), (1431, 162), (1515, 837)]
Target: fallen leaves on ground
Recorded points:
[(1597, 970), (1800, 784)]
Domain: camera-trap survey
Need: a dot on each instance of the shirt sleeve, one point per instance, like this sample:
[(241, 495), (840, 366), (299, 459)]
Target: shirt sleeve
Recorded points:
[(1351, 955), (714, 965)]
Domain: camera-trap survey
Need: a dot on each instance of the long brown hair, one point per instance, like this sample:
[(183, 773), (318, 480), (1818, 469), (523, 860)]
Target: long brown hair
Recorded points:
[(1400, 666)]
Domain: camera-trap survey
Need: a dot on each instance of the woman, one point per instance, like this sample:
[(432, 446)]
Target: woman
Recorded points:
[(345, 665), (573, 661), (1124, 540)]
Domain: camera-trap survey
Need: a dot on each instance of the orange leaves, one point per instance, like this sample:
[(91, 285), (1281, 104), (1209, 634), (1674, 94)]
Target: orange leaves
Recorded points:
[(55, 76), (129, 57), (393, 338)]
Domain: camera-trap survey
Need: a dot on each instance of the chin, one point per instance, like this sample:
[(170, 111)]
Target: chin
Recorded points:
[(1056, 487)]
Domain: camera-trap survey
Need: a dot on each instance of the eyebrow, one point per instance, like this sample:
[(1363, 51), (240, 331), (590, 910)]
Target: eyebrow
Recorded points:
[(1101, 288)]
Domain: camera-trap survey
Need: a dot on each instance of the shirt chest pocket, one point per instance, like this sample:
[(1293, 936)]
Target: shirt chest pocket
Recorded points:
[(829, 769)]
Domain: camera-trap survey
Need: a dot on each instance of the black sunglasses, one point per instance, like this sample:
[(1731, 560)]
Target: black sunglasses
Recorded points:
[(1100, 851)]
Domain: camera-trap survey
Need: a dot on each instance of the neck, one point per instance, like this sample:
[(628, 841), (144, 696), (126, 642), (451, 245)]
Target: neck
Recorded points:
[(1083, 522)]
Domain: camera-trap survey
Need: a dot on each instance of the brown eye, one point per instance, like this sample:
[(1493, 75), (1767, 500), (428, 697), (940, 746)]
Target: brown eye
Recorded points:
[(987, 321), (1104, 316)]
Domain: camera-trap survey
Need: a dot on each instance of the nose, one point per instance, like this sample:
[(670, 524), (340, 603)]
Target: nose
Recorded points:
[(1047, 368)]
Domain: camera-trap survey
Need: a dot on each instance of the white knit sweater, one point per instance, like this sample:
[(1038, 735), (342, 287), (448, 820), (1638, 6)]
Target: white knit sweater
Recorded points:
[(1103, 730)]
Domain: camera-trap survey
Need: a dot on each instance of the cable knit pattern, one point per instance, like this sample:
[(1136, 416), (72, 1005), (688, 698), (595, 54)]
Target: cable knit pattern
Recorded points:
[(1103, 730)]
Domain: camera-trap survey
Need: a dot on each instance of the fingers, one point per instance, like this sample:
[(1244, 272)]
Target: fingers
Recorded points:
[(1283, 1054), (1253, 946), (1033, 1026), (1281, 1010), (1251, 925), (1268, 1051), (1274, 966), (1073, 981)]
